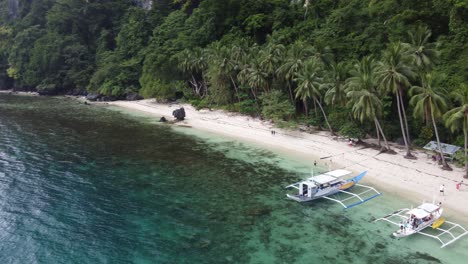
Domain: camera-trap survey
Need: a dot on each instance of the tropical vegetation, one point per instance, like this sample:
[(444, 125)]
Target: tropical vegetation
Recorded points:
[(354, 67)]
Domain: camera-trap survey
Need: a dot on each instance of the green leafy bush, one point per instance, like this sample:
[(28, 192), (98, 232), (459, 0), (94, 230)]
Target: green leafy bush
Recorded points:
[(276, 106)]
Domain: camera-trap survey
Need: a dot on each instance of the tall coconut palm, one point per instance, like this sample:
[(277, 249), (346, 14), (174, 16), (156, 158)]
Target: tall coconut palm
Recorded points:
[(424, 53), (363, 96), (270, 58), (394, 76), (309, 82), (237, 59), (323, 54), (429, 96), (337, 76), (218, 73), (194, 62), (293, 62), (457, 118)]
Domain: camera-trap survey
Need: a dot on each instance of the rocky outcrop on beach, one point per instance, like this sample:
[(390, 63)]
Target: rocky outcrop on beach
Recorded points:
[(133, 97), (78, 92), (93, 97), (179, 114)]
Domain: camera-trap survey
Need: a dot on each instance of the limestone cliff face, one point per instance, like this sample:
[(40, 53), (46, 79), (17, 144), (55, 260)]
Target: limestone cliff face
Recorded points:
[(145, 4)]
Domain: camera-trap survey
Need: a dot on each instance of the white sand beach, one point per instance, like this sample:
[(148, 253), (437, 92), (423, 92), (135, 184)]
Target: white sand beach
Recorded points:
[(416, 180)]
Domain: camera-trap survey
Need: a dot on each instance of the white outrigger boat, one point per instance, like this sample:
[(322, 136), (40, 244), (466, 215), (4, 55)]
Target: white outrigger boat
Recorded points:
[(332, 183), (413, 221)]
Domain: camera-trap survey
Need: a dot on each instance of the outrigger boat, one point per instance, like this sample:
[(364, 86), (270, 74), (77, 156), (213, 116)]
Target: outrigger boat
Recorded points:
[(332, 183), (413, 221)]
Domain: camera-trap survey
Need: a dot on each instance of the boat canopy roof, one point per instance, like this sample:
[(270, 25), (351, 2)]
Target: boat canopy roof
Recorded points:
[(423, 210), (338, 173), (428, 207), (323, 178), (328, 176), (418, 213)]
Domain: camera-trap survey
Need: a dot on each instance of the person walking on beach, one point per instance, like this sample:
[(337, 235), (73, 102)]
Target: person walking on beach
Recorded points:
[(442, 189), (459, 185)]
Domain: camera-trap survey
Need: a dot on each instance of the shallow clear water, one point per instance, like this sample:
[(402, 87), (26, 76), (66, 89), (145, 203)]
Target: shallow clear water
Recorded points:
[(84, 184)]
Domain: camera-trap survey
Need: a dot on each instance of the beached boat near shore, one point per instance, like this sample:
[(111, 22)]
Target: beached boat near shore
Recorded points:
[(413, 221), (333, 184)]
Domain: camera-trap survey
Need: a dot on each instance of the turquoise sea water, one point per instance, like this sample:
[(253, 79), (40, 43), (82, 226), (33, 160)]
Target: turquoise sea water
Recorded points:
[(85, 184)]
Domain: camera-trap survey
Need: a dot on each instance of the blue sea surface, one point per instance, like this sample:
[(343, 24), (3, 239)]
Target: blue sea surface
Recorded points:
[(85, 184)]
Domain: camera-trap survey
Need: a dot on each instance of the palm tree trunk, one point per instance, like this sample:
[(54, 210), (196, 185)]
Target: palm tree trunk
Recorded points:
[(446, 166), (408, 153), (325, 116), (315, 108), (377, 132), (290, 93), (205, 86), (465, 132), (235, 88), (406, 121), (306, 108), (383, 135), (428, 114)]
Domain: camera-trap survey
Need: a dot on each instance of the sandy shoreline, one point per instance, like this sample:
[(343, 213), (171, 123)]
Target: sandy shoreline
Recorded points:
[(415, 180)]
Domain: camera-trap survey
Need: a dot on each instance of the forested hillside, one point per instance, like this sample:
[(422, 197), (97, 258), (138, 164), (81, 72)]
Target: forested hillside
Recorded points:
[(391, 68)]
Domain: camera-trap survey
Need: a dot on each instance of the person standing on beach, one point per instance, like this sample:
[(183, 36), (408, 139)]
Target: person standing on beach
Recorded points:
[(459, 185), (442, 189)]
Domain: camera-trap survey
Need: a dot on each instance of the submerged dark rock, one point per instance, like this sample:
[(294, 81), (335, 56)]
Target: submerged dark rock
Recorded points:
[(179, 114), (424, 256), (258, 211)]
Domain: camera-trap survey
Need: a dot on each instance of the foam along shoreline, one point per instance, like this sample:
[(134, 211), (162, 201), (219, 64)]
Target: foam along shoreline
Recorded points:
[(415, 180)]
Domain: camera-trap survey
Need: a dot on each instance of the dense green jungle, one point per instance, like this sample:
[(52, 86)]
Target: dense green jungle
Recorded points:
[(392, 69)]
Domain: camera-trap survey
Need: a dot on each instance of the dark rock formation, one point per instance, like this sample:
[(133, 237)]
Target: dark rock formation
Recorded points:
[(109, 98), (179, 114), (93, 97), (133, 97), (78, 92), (163, 119), (47, 92)]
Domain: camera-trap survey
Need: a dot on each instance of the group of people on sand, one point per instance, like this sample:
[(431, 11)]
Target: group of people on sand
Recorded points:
[(442, 187)]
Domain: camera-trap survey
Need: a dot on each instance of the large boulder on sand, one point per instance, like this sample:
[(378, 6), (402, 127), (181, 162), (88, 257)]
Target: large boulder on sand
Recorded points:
[(179, 114)]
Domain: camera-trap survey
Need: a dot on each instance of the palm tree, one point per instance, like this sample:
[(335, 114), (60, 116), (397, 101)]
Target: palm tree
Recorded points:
[(429, 96), (309, 83), (293, 63), (336, 81), (270, 58), (423, 52), (457, 118), (194, 63), (364, 99), (323, 53), (394, 75)]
